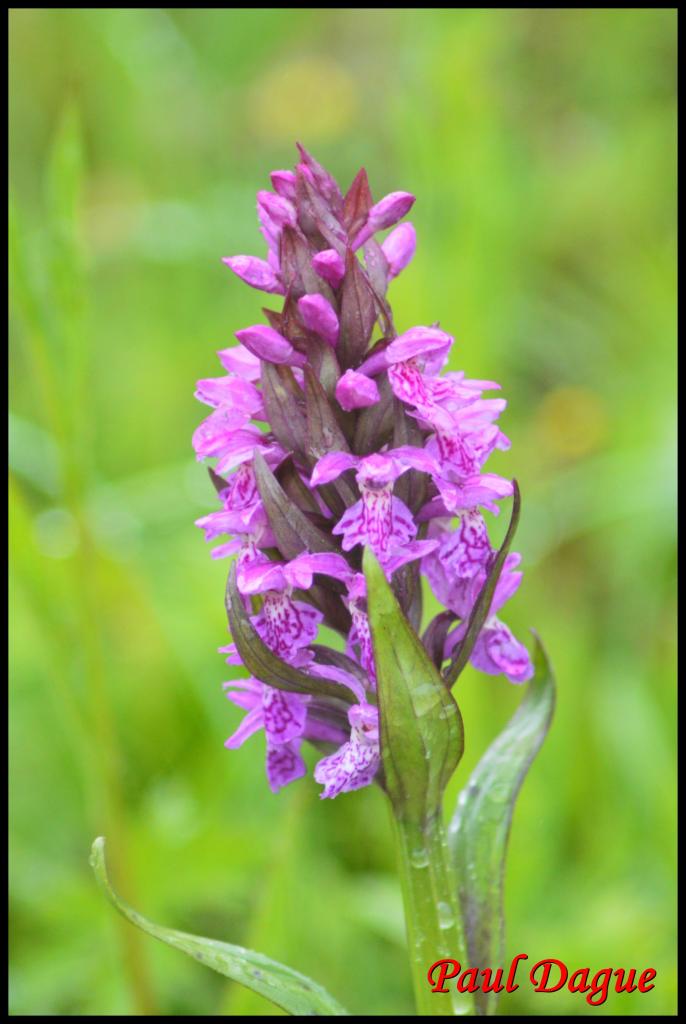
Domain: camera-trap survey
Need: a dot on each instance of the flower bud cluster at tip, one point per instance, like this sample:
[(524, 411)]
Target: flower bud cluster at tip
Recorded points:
[(369, 443)]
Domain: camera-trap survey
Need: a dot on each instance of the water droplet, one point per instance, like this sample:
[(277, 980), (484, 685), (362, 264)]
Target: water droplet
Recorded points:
[(419, 858), (446, 918)]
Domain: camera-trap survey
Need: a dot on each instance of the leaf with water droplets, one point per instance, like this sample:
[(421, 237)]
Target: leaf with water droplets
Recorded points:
[(281, 985), (479, 831)]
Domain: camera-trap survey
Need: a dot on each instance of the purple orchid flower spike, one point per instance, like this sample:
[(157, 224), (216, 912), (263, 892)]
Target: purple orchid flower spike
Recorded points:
[(331, 432), (351, 476)]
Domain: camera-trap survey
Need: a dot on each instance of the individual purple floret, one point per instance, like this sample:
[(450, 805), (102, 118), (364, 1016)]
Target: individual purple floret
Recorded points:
[(378, 519), (330, 432), (355, 763)]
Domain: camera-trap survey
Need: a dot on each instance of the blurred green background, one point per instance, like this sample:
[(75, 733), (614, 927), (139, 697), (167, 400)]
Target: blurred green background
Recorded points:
[(541, 146)]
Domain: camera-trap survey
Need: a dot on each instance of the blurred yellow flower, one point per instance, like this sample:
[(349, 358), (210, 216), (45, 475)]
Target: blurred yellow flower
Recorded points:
[(307, 98), (572, 422)]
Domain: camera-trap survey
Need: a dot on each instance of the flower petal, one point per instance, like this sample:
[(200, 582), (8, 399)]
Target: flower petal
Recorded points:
[(331, 466), (284, 764)]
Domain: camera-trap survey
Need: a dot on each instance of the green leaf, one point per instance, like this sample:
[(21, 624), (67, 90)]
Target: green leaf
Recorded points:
[(292, 991), (479, 831), (482, 604), (420, 723), (262, 663)]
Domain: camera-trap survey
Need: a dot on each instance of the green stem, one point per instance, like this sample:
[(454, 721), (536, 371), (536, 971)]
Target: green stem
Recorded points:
[(432, 914)]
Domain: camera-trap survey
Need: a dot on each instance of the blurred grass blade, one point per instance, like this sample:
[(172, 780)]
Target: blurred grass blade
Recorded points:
[(480, 828), (281, 985), (482, 604), (26, 286), (420, 723), (63, 184), (66, 262)]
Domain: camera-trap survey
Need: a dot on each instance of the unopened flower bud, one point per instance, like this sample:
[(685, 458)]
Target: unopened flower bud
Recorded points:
[(384, 214), (320, 316), (399, 248), (255, 272), (356, 391), (330, 266), (268, 344), (284, 184)]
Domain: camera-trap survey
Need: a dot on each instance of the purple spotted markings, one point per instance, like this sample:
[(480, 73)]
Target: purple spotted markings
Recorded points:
[(371, 442)]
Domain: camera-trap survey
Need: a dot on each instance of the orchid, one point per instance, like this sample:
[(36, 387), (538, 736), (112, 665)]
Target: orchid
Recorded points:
[(371, 449), (350, 470)]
